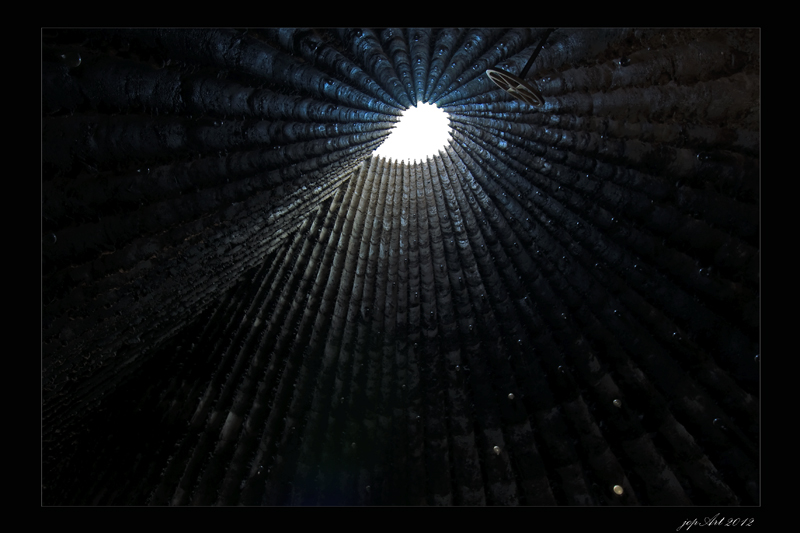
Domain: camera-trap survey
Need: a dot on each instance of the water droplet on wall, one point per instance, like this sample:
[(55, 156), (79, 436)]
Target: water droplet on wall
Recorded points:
[(71, 59)]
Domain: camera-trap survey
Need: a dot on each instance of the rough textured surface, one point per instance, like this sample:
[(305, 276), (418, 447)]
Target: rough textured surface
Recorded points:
[(242, 306)]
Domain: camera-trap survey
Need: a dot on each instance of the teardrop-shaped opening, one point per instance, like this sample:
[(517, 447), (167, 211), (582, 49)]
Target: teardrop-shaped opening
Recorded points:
[(422, 131)]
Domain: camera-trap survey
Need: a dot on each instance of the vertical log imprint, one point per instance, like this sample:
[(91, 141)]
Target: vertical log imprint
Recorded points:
[(241, 305)]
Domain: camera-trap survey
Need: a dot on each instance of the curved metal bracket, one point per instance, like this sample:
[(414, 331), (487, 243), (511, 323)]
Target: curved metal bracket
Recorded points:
[(516, 87)]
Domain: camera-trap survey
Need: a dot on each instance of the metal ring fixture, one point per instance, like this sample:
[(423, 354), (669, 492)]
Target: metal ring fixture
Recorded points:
[(516, 86)]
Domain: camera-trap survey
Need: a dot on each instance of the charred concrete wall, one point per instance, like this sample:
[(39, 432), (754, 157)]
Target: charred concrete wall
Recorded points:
[(241, 306)]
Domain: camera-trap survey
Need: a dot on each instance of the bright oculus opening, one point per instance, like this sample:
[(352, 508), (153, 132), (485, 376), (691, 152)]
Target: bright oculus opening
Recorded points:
[(421, 132)]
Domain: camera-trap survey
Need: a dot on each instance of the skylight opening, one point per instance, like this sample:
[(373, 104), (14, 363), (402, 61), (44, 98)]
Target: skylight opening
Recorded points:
[(421, 132)]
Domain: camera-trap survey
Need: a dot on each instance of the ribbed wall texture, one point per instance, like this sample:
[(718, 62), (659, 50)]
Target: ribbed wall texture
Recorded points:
[(242, 306)]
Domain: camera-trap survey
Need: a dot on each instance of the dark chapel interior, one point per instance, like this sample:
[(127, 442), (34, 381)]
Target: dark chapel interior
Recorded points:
[(241, 305)]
